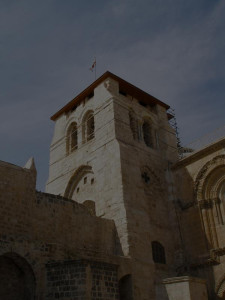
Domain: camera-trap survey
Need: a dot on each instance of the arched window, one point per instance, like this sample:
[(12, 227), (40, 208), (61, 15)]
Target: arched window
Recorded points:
[(147, 134), (71, 143), (158, 253), (88, 127), (133, 125)]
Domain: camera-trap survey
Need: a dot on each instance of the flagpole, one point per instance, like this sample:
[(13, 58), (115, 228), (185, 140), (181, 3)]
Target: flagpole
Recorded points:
[(93, 67)]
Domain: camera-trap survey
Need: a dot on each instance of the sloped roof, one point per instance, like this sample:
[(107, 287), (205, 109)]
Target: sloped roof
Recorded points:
[(125, 86)]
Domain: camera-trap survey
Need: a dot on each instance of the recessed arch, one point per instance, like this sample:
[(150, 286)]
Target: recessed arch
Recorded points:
[(17, 280), (125, 287), (149, 134), (88, 126), (71, 138), (213, 182), (75, 179), (218, 161), (158, 253), (209, 184)]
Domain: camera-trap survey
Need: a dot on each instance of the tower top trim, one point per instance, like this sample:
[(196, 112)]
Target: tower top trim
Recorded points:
[(125, 86)]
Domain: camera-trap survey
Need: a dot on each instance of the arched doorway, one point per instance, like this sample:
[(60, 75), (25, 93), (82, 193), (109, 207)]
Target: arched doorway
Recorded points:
[(17, 279), (210, 191), (125, 288)]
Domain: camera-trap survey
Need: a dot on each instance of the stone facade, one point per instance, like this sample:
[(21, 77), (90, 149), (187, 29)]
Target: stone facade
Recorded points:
[(121, 213), (132, 141), (200, 204), (38, 229)]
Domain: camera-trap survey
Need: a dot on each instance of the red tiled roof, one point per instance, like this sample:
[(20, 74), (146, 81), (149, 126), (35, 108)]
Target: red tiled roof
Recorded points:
[(125, 86)]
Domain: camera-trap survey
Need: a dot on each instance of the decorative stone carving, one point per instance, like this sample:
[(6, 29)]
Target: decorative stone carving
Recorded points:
[(205, 204), (220, 286), (202, 173), (148, 176)]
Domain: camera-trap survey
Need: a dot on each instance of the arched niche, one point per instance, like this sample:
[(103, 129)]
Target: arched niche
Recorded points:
[(81, 186), (125, 288), (213, 184), (71, 138), (88, 126), (147, 133), (210, 188), (212, 170), (17, 280)]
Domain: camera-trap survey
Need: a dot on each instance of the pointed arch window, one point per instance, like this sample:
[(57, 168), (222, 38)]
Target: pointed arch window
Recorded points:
[(158, 253), (88, 127), (71, 142)]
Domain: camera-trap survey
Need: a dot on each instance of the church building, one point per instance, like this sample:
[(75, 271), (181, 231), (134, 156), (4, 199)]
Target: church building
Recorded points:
[(123, 216)]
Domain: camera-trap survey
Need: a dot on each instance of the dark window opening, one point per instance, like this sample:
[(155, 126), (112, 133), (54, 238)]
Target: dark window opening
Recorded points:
[(90, 95), (123, 93), (158, 253), (142, 103), (147, 134), (90, 128), (145, 177), (125, 288), (74, 108), (71, 138)]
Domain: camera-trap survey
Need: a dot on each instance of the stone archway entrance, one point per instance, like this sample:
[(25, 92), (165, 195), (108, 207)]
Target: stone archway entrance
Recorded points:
[(125, 288), (16, 278)]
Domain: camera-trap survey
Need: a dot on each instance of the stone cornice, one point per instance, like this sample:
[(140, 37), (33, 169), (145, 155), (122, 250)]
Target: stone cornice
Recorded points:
[(124, 85), (183, 279), (200, 153)]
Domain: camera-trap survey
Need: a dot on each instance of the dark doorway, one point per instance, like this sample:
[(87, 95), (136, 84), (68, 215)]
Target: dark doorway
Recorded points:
[(125, 288), (16, 278)]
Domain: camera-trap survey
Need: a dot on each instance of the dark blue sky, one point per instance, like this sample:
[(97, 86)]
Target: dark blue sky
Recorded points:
[(173, 49)]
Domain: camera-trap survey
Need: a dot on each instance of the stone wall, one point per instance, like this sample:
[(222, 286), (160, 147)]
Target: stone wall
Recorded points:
[(109, 170), (200, 185), (37, 228), (82, 279), (150, 212)]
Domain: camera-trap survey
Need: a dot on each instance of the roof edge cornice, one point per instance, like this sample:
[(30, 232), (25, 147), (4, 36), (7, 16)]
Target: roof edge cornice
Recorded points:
[(126, 86)]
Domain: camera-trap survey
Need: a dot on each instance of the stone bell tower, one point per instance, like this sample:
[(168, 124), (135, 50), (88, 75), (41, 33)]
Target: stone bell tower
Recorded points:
[(111, 150)]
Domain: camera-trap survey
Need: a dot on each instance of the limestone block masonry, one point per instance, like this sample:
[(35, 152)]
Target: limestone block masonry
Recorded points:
[(40, 230), (186, 288), (121, 213), (124, 170)]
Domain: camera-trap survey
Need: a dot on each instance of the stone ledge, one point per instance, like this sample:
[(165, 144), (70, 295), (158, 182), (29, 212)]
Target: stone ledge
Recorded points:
[(183, 279)]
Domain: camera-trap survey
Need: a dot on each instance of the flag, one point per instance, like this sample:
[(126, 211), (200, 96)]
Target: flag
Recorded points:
[(93, 66)]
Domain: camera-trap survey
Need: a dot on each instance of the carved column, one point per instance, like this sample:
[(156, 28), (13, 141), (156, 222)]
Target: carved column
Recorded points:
[(218, 211), (207, 216)]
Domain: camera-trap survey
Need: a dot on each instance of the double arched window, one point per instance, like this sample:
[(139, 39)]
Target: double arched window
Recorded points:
[(158, 253), (71, 138), (143, 130), (88, 132), (88, 127)]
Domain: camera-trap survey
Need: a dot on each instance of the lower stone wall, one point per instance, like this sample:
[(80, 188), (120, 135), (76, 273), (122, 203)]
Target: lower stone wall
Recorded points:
[(82, 279)]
